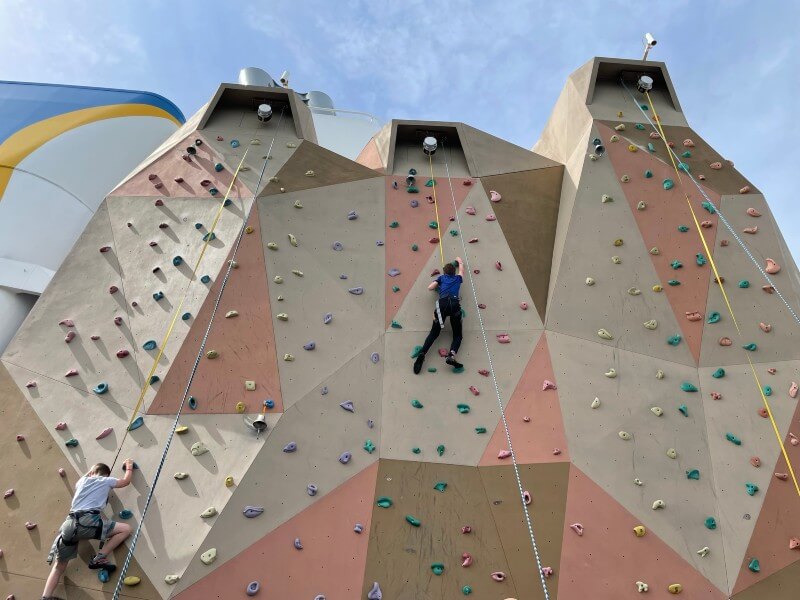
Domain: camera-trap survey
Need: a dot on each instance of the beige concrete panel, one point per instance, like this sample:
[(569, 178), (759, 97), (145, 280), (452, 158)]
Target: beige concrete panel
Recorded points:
[(382, 140), (501, 291), (80, 291), (752, 305), (150, 319), (358, 320), (278, 480), (610, 98), (625, 402), (581, 310), (439, 421), (408, 156), (737, 412), (780, 586), (564, 131), (494, 156)]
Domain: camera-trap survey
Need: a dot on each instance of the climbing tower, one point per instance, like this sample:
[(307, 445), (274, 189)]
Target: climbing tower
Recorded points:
[(622, 424)]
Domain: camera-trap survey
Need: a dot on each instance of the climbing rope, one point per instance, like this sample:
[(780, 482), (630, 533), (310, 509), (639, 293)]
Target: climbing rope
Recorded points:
[(436, 208), (196, 364), (657, 126), (496, 386)]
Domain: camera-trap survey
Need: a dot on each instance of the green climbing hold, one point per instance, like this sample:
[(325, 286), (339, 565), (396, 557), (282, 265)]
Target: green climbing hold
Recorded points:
[(416, 403), (719, 373), (674, 340), (714, 317), (412, 189), (709, 207), (684, 167), (673, 282), (751, 488), (688, 387), (463, 408), (644, 107), (395, 289), (684, 410), (711, 523), (454, 232), (686, 154), (210, 236), (154, 379), (750, 347), (754, 565), (676, 264), (744, 284), (650, 147), (466, 590), (430, 183), (683, 228), (440, 449), (416, 450), (437, 568), (394, 224), (648, 174), (458, 369), (733, 439), (369, 446), (440, 486), (480, 430), (71, 443), (396, 325), (415, 352), (700, 259), (384, 502), (413, 520), (414, 247), (431, 369), (433, 225), (768, 390), (693, 474), (463, 314), (668, 184), (639, 126)]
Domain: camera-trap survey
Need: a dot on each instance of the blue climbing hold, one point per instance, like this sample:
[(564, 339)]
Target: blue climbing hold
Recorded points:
[(136, 423), (668, 184), (252, 588), (719, 373), (192, 402), (158, 296), (639, 126), (674, 340), (150, 345), (104, 576), (227, 202), (700, 259), (673, 282), (650, 147), (686, 154), (733, 439), (744, 284), (218, 167), (198, 225), (269, 403), (684, 410), (186, 316), (125, 514), (205, 279), (754, 565), (213, 191), (684, 167), (177, 261), (751, 347), (100, 388), (235, 143)]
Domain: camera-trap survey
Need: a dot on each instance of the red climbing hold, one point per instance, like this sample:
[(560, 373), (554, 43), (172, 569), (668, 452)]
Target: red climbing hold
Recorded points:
[(151, 177), (755, 461), (29, 525), (498, 265), (768, 288), (484, 372), (476, 271), (466, 529), (159, 202), (117, 321), (473, 240), (467, 182), (178, 180), (62, 472), (94, 337), (122, 353), (716, 396), (772, 370), (31, 384), (69, 337), (435, 272), (481, 306), (105, 249), (163, 225), (20, 438), (474, 390), (113, 289), (71, 373), (153, 244), (434, 240)]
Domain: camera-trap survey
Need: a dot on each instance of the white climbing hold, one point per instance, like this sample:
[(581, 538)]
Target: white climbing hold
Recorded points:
[(272, 245), (611, 373), (659, 374), (659, 504), (310, 173), (298, 273), (231, 313), (180, 475), (209, 512), (657, 411), (198, 448), (641, 586), (297, 204), (638, 482), (651, 324), (595, 403), (641, 205), (634, 291), (624, 435), (605, 198), (209, 556), (288, 357), (292, 240), (616, 260), (703, 552), (672, 453), (620, 127), (282, 317), (590, 281), (604, 334), (171, 579), (277, 279)]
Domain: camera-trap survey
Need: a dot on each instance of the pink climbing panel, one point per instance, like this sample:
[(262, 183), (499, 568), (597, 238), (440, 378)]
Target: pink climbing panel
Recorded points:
[(778, 521), (658, 223), (245, 343), (332, 561), (413, 229), (370, 157), (603, 563), (172, 166), (536, 440)]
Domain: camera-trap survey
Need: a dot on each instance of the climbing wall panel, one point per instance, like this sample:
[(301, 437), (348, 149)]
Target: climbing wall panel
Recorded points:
[(533, 415), (278, 480), (400, 555), (357, 320), (752, 306), (79, 291), (439, 421), (624, 404), (579, 309), (527, 214), (547, 484), (408, 226), (782, 584), (491, 155), (158, 179), (371, 158), (666, 223), (286, 572), (608, 559), (244, 341)]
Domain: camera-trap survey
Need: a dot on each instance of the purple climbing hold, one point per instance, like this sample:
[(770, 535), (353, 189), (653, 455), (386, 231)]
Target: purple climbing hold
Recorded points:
[(337, 246), (414, 203), (324, 390), (375, 593), (352, 215), (359, 528), (311, 489), (298, 544), (309, 346), (356, 291), (290, 447), (252, 511), (348, 406), (394, 272), (345, 458), (370, 423), (252, 588), (379, 243), (375, 357), (327, 318), (342, 276)]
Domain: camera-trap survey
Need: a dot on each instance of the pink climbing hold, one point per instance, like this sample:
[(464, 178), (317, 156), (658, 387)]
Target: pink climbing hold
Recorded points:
[(498, 265), (470, 210), (503, 454), (654, 135), (768, 289), (706, 224), (67, 322), (753, 212), (526, 419), (105, 249), (716, 165), (484, 372), (547, 572), (434, 240), (113, 289), (122, 353), (688, 143), (772, 267), (474, 390), (503, 338), (494, 196), (435, 272), (499, 576), (62, 472), (772, 370), (782, 476), (523, 305), (33, 384), (61, 426), (765, 327), (755, 461), (701, 177), (473, 240), (117, 320), (151, 177), (716, 396), (466, 529), (526, 497), (548, 385), (794, 543), (158, 186), (694, 316), (745, 190), (577, 528), (793, 440), (751, 230), (94, 337), (8, 493), (556, 451), (723, 243), (793, 390), (443, 352), (71, 373), (466, 559), (725, 341), (481, 305), (105, 433), (29, 525), (491, 217)]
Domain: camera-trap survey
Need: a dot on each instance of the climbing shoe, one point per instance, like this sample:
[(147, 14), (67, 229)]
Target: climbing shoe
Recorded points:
[(101, 562), (451, 360), (418, 363)]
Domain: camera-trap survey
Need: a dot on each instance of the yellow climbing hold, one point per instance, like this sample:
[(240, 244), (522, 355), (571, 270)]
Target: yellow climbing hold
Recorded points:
[(654, 251), (229, 481), (249, 229), (633, 148), (132, 580), (231, 313), (212, 354), (272, 245), (614, 138), (240, 407), (293, 240), (675, 588), (182, 429), (659, 374), (639, 530), (672, 453), (657, 288), (651, 324), (618, 242), (310, 173), (620, 127), (605, 334), (288, 357)]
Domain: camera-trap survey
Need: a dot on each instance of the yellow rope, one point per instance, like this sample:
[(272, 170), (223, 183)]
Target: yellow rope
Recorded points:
[(657, 121), (436, 208)]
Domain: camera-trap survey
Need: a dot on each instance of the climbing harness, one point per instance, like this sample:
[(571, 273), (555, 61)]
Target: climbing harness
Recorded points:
[(496, 386), (200, 350), (657, 126), (436, 209), (439, 315)]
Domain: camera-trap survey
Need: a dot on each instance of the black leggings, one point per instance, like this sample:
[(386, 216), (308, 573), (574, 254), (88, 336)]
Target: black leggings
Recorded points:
[(450, 308)]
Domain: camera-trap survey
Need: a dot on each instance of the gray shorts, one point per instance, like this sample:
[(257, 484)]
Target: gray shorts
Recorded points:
[(87, 527)]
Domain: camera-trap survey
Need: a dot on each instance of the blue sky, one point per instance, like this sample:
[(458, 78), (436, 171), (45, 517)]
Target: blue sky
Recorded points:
[(497, 65)]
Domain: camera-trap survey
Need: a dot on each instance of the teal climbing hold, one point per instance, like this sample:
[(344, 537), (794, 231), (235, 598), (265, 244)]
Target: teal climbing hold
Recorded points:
[(154, 379), (440, 486), (754, 565), (100, 388), (751, 347), (412, 189), (676, 264), (415, 352), (227, 202), (416, 450), (693, 474), (158, 296), (648, 174), (688, 387), (186, 316), (177, 261), (673, 282), (751, 488), (394, 224), (458, 369), (644, 107), (437, 568), (454, 232), (104, 576), (416, 403), (668, 184), (684, 410), (218, 167), (768, 390), (213, 191), (466, 590), (125, 514), (192, 402), (396, 325), (433, 225), (384, 502), (711, 523), (463, 314), (684, 167), (719, 373), (714, 317), (709, 207), (440, 449), (431, 369), (71, 443), (150, 345), (414, 247), (733, 439), (463, 408), (650, 147), (430, 183), (395, 289), (210, 236), (369, 446), (639, 126), (480, 430), (674, 340), (744, 284), (686, 154), (205, 279), (413, 520), (136, 423), (700, 259), (683, 228)]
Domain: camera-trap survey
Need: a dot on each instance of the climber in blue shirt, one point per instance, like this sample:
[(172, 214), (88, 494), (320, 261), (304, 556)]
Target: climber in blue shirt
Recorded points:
[(448, 285)]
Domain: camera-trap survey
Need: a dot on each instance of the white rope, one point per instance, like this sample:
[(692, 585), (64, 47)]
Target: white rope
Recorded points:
[(496, 386)]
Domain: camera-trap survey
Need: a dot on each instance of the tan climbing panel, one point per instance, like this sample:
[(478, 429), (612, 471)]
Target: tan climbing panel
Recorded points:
[(491, 155)]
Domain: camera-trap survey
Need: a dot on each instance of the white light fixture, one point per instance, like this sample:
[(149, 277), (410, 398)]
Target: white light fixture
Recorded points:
[(264, 113), (645, 84), (429, 145)]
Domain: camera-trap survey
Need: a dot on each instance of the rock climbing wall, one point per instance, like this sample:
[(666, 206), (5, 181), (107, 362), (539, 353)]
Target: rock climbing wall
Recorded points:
[(606, 437)]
